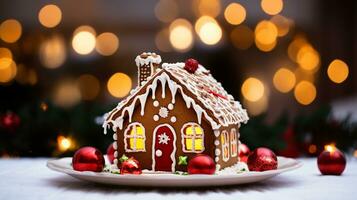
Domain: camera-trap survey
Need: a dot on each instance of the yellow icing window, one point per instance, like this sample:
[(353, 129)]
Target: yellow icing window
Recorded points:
[(225, 145), (234, 143), (193, 138), (134, 138)]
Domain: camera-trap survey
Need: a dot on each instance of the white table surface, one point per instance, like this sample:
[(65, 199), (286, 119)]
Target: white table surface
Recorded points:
[(31, 179)]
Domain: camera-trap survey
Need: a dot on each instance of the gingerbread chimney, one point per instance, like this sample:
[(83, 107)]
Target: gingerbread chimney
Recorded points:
[(147, 64)]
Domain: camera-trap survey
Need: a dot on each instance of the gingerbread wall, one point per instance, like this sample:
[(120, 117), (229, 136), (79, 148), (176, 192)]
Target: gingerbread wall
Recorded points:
[(232, 160), (182, 115)]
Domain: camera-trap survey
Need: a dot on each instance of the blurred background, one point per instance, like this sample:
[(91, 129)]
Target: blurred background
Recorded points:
[(291, 63)]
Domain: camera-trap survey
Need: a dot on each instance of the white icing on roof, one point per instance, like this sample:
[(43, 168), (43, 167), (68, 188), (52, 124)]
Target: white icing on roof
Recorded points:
[(201, 84), (151, 58)]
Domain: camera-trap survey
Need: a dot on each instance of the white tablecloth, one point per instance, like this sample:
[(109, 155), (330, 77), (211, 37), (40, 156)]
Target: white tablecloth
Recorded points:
[(31, 179)]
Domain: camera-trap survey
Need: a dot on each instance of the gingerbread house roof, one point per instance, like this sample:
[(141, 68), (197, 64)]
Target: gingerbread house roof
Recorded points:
[(199, 90)]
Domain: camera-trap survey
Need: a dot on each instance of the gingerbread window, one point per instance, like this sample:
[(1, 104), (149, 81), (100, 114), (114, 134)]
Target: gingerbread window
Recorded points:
[(134, 138), (192, 138), (234, 142), (225, 145)]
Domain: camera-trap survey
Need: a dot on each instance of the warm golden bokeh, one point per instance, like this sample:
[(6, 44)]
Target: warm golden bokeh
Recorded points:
[(235, 13), (10, 30), (89, 86), (50, 16), (284, 80), (107, 44), (266, 34), (64, 143), (166, 10), (210, 32), (162, 40), (308, 58), (83, 42), (312, 149), (85, 28), (252, 89), (265, 47), (242, 37), (53, 52), (305, 92), (207, 7), (8, 70), (181, 36), (66, 94), (302, 74), (272, 7), (337, 71), (5, 53), (282, 23), (257, 107), (119, 85), (294, 47), (330, 147)]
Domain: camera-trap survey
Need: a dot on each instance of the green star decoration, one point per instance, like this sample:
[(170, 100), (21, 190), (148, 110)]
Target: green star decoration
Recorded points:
[(182, 160), (123, 158)]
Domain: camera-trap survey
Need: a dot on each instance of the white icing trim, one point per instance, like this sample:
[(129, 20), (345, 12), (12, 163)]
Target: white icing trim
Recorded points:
[(151, 58), (115, 145), (115, 136), (192, 137), (156, 103), (163, 112), (156, 117), (128, 136), (225, 144), (170, 106), (173, 119), (173, 151), (233, 141), (173, 86)]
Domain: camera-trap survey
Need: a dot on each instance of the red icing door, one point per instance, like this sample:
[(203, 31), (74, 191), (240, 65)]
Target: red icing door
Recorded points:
[(163, 155)]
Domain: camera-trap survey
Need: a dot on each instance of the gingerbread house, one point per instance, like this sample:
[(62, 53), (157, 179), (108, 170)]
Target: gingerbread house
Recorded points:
[(174, 113)]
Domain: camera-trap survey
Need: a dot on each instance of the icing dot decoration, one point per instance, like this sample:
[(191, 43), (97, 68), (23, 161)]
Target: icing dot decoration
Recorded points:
[(163, 112), (173, 119), (115, 137), (216, 159), (156, 117), (191, 65), (170, 106), (216, 142), (218, 152), (156, 103)]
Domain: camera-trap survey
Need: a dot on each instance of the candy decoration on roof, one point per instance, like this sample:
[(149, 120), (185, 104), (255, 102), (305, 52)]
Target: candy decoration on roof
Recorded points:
[(201, 164), (88, 159), (262, 159), (191, 65), (130, 166)]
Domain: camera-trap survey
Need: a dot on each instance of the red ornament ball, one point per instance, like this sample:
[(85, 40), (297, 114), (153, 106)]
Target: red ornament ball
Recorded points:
[(262, 159), (331, 162), (10, 121), (191, 65), (244, 152), (88, 159), (201, 164), (110, 153), (130, 166)]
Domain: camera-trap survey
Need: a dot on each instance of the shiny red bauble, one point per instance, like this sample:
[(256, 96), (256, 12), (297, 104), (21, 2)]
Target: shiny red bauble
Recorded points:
[(130, 166), (262, 159), (110, 153), (88, 159), (191, 65), (244, 152), (201, 164), (331, 162)]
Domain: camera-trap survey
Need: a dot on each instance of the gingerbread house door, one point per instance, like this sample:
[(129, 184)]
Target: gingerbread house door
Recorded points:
[(164, 148)]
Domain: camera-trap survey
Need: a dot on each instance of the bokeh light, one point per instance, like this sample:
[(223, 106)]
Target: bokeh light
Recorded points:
[(257, 107), (208, 30), (266, 34), (284, 80), (8, 70), (181, 37), (53, 52), (252, 89), (166, 10), (235, 13), (5, 53), (64, 143), (89, 86), (107, 44), (10, 30), (119, 85), (66, 94), (308, 58), (162, 40), (50, 16), (242, 37), (83, 42), (207, 7), (297, 43), (312, 148), (337, 71), (305, 92), (302, 74), (282, 23), (265, 47), (272, 7)]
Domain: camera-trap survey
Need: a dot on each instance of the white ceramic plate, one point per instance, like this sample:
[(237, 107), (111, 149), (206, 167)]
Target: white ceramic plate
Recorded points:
[(171, 180)]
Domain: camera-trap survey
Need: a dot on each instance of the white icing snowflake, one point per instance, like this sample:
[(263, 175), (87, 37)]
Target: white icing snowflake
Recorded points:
[(163, 112), (163, 139)]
